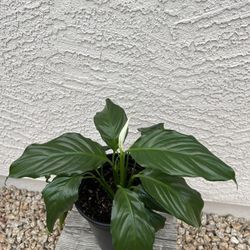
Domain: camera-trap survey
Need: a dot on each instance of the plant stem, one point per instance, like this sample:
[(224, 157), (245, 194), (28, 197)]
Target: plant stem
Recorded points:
[(113, 158), (105, 185), (132, 179), (107, 188), (122, 169), (110, 162), (89, 176), (126, 166), (114, 168), (102, 181), (124, 160)]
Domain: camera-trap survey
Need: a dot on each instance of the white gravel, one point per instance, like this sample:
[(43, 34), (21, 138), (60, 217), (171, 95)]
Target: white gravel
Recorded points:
[(22, 221), (216, 233), (22, 226)]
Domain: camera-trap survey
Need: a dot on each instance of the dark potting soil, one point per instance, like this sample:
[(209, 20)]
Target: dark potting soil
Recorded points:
[(94, 201)]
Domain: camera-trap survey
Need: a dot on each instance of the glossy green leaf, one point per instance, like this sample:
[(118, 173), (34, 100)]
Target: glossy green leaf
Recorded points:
[(59, 197), (62, 219), (130, 222), (68, 154), (178, 154), (106, 148), (148, 200), (159, 126), (174, 195), (156, 220), (109, 122), (150, 203)]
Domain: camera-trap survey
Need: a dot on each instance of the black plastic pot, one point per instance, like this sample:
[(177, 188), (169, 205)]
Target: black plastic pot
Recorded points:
[(100, 230)]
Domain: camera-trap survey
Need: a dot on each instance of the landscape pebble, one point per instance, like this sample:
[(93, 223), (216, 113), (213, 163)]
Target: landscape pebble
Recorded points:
[(22, 226), (22, 221), (216, 233)]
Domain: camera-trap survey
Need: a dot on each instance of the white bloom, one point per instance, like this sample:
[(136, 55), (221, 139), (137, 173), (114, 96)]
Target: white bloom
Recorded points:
[(122, 136)]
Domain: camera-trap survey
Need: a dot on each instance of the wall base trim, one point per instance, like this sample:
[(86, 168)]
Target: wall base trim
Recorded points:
[(227, 208)]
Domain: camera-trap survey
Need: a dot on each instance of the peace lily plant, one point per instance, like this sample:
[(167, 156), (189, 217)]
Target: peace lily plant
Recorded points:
[(164, 157)]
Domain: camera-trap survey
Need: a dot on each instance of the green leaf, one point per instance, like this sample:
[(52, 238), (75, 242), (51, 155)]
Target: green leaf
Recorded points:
[(109, 122), (150, 203), (130, 222), (59, 197), (148, 200), (105, 148), (62, 219), (159, 126), (178, 154), (66, 155), (174, 195), (156, 220)]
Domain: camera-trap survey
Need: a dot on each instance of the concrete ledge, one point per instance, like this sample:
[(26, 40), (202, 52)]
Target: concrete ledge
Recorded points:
[(226, 208), (26, 183), (77, 234), (210, 206)]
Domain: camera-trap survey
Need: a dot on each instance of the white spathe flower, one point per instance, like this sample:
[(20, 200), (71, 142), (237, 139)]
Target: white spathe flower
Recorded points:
[(122, 136)]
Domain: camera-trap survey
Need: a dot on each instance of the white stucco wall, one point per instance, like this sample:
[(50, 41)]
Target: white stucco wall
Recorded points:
[(182, 62)]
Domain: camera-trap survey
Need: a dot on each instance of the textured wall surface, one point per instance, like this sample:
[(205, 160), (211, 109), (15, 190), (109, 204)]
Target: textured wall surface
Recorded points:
[(183, 62)]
